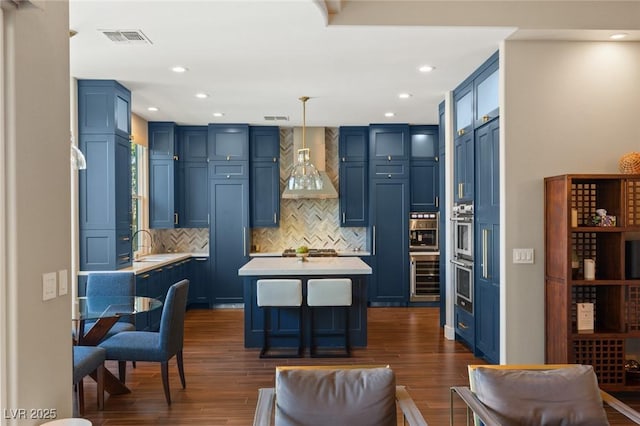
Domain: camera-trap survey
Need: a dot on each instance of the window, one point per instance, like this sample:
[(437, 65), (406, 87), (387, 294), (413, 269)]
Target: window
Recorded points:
[(139, 196)]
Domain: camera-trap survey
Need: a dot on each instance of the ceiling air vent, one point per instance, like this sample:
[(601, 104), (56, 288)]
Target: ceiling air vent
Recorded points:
[(126, 36), (276, 118)]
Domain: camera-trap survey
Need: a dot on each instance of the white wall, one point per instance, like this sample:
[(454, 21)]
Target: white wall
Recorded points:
[(569, 107), (36, 173)]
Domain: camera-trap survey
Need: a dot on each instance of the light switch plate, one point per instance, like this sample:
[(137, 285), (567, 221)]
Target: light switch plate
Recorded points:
[(523, 255), (63, 287), (49, 285)]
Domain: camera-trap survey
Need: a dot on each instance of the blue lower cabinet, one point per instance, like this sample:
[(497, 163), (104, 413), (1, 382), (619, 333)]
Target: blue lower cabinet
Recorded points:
[(326, 320), (199, 281), (465, 326), (142, 289)]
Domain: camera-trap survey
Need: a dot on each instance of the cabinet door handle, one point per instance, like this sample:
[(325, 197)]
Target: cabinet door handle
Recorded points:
[(228, 157), (462, 325), (343, 159), (343, 217), (437, 202), (175, 218), (389, 176), (275, 160), (275, 217), (460, 132), (244, 240), (389, 157), (208, 218), (175, 158), (460, 190), (485, 118), (485, 254), (374, 240), (228, 176)]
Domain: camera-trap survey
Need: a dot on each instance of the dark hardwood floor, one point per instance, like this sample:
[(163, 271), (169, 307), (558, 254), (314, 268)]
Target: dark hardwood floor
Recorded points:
[(223, 377)]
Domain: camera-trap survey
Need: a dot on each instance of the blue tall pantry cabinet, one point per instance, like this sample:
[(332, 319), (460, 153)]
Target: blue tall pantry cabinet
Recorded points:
[(229, 232), (104, 126), (353, 151), (264, 148), (389, 149)]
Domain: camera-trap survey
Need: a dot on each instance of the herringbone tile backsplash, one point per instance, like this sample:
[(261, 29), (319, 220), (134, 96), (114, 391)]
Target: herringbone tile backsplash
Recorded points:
[(314, 223)]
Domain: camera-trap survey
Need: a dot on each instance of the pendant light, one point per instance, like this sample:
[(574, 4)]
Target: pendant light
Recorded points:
[(304, 174)]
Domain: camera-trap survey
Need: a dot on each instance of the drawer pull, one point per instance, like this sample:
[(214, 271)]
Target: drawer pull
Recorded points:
[(462, 325)]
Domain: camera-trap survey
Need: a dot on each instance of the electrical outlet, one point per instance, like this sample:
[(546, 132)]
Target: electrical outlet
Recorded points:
[(63, 287), (49, 286), (523, 255)]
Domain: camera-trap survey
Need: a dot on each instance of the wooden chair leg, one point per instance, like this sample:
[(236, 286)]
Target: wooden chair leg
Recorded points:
[(122, 370), (181, 369), (80, 387), (100, 386), (164, 370)]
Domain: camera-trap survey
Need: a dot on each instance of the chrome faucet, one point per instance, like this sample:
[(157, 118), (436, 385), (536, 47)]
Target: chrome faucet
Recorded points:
[(133, 247)]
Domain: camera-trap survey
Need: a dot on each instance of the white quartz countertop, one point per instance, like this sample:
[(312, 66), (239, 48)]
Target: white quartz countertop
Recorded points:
[(279, 266), (358, 253), (153, 261)]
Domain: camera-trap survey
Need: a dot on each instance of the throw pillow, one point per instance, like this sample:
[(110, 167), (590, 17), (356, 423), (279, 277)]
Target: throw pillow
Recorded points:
[(559, 397), (360, 396)]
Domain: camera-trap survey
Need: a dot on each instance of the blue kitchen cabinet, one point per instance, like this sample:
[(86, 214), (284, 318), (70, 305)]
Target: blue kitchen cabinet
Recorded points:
[(192, 143), (162, 175), (487, 241), (464, 326), (162, 140), (104, 107), (463, 108), (229, 238), (463, 168), (228, 142), (199, 281), (191, 179), (105, 186), (424, 168), (389, 151), (389, 224), (443, 238), (486, 92), (264, 146), (353, 172)]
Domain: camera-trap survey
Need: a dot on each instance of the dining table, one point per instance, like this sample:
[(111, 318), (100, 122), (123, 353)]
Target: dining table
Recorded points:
[(105, 311)]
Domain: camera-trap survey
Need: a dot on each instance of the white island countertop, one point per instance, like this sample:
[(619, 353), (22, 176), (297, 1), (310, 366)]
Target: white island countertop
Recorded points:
[(280, 266)]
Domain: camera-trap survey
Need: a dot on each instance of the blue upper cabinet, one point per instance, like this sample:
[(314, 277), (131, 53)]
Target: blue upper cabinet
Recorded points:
[(264, 145), (354, 143), (104, 106), (192, 143), (389, 150), (424, 163), (162, 175), (463, 109), (354, 189), (485, 87), (389, 142), (228, 142), (192, 177), (463, 168), (162, 140)]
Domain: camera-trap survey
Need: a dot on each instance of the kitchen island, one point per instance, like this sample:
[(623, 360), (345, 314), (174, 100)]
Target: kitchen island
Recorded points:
[(326, 319)]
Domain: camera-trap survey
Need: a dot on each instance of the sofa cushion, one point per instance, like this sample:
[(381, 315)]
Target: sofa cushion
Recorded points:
[(359, 396), (564, 396)]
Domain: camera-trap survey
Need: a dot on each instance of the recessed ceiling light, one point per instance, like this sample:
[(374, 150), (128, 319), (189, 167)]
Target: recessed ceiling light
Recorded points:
[(404, 95), (152, 109), (618, 36), (426, 68), (202, 95), (179, 69), (218, 114), (389, 114)]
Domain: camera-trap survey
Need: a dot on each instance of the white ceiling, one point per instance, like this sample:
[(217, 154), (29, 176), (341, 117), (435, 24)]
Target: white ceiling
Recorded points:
[(256, 58)]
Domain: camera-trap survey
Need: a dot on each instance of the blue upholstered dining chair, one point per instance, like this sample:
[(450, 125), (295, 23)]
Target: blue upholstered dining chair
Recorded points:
[(158, 346), (86, 360), (112, 284)]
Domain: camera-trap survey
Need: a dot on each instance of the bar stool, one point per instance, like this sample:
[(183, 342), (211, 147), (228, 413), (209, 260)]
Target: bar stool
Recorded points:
[(279, 293), (329, 292)]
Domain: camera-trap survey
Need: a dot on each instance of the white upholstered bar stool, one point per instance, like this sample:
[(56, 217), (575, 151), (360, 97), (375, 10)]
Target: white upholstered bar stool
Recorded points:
[(329, 292), (279, 293)]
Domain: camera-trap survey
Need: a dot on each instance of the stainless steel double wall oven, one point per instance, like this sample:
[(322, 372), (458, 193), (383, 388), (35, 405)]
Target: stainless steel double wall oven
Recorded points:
[(462, 219)]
